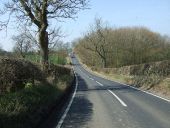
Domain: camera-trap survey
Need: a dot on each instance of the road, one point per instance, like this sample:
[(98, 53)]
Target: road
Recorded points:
[(100, 103)]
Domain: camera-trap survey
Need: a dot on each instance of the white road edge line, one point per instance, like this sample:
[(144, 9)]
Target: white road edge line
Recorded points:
[(123, 103), (99, 83), (143, 91), (130, 86), (69, 105)]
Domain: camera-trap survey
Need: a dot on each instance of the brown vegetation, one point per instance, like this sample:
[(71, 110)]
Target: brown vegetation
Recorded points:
[(153, 77), (133, 55), (34, 93), (103, 46), (14, 74)]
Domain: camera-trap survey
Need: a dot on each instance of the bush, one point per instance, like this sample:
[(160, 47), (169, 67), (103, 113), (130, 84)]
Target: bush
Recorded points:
[(143, 75), (150, 74), (14, 74), (26, 108), (148, 80), (57, 70), (161, 68)]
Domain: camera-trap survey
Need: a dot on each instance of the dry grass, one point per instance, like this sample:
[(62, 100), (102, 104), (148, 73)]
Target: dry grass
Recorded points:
[(163, 88), (153, 83)]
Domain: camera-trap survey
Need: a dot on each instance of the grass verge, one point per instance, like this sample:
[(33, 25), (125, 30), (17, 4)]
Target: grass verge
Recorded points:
[(27, 107), (150, 82)]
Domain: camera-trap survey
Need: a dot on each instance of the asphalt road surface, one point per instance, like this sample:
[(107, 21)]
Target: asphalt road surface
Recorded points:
[(100, 103)]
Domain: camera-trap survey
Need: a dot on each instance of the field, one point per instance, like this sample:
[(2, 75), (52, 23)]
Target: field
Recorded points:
[(53, 58)]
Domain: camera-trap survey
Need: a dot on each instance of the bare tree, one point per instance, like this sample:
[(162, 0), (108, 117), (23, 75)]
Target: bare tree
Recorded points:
[(39, 12), (55, 36), (97, 38), (122, 46), (22, 44)]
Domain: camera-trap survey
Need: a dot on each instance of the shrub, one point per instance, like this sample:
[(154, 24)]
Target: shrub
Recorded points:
[(57, 70), (27, 107), (15, 73), (150, 74), (148, 80)]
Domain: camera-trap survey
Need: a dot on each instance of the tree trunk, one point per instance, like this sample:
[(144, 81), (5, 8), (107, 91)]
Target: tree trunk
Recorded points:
[(43, 41)]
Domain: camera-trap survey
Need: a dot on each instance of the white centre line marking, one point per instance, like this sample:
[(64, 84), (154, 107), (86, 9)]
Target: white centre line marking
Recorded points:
[(118, 98), (99, 83), (143, 91), (68, 107), (84, 73), (91, 78), (149, 93)]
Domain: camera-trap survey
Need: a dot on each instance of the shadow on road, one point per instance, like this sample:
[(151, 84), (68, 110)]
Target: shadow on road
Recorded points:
[(122, 88), (81, 110), (79, 114)]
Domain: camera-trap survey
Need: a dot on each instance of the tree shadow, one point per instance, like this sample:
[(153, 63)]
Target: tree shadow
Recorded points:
[(79, 114), (122, 88), (81, 109)]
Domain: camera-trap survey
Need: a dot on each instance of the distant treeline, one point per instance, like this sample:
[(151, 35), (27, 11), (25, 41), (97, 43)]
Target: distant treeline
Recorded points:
[(104, 46)]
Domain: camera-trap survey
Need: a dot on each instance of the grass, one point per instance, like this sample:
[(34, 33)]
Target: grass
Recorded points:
[(57, 59), (150, 81), (33, 57), (114, 77), (53, 58), (26, 108), (68, 60)]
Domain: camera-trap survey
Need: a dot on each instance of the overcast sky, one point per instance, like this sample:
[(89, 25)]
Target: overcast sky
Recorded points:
[(153, 14)]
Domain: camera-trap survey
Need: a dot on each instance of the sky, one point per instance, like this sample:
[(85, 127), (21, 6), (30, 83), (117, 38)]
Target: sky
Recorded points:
[(152, 14)]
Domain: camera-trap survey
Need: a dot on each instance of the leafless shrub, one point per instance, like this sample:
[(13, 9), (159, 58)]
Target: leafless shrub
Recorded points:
[(150, 74), (14, 74)]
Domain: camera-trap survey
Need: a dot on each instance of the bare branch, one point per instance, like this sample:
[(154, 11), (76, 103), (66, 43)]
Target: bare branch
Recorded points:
[(29, 12)]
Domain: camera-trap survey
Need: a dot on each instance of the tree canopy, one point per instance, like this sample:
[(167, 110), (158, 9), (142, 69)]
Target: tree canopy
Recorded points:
[(39, 13), (103, 46)]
